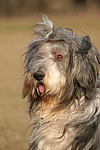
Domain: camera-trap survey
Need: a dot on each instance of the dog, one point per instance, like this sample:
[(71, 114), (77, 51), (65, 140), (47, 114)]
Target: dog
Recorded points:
[(63, 88)]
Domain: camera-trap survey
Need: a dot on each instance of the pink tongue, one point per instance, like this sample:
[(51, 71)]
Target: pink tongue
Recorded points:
[(41, 89)]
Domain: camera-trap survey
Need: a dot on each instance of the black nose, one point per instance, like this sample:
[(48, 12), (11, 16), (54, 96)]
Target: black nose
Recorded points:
[(39, 75)]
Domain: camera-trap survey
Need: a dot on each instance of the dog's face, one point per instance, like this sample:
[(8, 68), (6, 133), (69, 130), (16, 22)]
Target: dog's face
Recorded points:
[(48, 69), (60, 65)]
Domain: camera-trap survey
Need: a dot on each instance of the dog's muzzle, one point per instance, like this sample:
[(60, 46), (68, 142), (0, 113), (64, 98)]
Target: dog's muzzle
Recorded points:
[(39, 76)]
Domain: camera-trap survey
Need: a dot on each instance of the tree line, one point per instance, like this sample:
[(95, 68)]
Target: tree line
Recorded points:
[(19, 7)]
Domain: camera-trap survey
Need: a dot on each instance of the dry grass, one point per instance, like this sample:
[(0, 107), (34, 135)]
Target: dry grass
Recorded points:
[(14, 37)]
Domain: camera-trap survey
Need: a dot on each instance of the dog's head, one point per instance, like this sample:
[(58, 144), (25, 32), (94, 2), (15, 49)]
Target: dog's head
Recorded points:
[(60, 64)]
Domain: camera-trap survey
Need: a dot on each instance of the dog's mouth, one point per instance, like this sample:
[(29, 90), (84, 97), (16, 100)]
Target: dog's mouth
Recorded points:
[(41, 89)]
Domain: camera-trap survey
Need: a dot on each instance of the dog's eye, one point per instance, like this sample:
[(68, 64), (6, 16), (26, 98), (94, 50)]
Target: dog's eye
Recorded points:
[(59, 57)]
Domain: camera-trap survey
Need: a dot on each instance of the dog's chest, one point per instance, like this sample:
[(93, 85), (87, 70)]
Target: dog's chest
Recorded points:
[(51, 133)]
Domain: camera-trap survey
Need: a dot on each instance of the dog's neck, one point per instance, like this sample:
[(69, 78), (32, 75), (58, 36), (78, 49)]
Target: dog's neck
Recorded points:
[(63, 126)]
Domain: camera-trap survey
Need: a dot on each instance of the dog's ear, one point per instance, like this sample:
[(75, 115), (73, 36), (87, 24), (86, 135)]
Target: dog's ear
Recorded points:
[(85, 82), (27, 85), (26, 88), (87, 71), (86, 45)]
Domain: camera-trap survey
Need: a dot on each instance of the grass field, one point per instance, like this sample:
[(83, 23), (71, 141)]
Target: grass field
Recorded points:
[(15, 35)]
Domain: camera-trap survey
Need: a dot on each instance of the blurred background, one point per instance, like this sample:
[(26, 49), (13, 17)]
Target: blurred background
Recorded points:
[(16, 19)]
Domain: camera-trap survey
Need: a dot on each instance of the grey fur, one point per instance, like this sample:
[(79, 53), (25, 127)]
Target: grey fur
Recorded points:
[(62, 84)]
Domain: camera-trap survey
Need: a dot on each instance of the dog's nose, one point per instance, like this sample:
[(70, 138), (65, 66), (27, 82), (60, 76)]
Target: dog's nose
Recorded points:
[(39, 75)]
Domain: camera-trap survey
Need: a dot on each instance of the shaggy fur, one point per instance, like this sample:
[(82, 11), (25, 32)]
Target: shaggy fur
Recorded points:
[(63, 88)]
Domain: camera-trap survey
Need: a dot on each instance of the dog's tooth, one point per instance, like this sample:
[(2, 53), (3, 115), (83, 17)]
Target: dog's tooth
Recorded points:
[(38, 91), (33, 91)]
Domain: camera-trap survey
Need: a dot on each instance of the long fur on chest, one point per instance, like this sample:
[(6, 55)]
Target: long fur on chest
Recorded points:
[(75, 127)]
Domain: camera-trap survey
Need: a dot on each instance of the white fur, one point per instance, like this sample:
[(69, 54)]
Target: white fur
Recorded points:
[(53, 79)]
